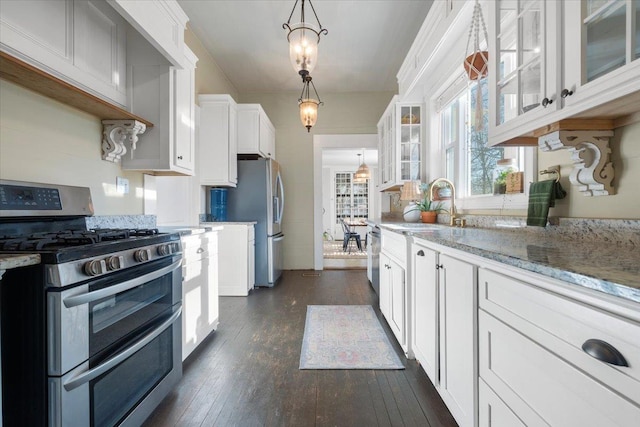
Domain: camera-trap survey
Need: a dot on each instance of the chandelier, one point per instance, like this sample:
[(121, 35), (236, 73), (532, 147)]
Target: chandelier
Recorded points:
[(303, 40), (308, 106)]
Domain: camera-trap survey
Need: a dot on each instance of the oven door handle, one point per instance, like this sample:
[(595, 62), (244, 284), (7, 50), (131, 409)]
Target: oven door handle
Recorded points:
[(120, 287), (86, 376)]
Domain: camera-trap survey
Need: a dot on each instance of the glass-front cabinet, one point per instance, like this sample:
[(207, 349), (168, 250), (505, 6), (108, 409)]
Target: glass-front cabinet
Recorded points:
[(561, 59), (522, 32), (401, 134), (602, 47)]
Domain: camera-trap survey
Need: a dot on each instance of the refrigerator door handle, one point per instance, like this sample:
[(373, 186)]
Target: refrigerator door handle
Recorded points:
[(281, 200), (277, 239)]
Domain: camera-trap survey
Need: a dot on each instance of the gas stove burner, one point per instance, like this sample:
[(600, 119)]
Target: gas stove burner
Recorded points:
[(144, 232), (69, 238)]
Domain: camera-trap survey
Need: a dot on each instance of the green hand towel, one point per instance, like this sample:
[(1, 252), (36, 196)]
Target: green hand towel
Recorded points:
[(541, 197)]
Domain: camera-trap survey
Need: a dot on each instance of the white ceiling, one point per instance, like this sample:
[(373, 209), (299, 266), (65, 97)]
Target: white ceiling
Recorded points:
[(365, 46)]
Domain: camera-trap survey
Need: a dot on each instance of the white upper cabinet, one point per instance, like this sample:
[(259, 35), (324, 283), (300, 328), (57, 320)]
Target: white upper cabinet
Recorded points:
[(400, 137), (218, 142), (163, 94), (602, 51), (525, 69), (161, 23), (556, 60), (256, 134), (80, 42)]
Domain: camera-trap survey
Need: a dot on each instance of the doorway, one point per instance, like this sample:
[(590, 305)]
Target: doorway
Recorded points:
[(337, 197)]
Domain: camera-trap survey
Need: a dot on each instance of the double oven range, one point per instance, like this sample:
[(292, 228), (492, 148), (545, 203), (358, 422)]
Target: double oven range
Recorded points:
[(91, 336)]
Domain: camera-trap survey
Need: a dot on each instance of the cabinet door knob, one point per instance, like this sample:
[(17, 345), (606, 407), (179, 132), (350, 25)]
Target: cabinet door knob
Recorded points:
[(439, 266), (179, 157), (604, 352), (420, 253), (546, 102), (566, 92)]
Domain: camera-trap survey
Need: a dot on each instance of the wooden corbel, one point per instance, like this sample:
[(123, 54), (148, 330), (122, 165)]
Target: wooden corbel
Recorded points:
[(114, 135), (593, 170)]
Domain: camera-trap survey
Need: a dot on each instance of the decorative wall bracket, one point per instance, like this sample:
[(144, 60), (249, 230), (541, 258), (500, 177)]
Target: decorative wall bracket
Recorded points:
[(593, 170), (114, 135)]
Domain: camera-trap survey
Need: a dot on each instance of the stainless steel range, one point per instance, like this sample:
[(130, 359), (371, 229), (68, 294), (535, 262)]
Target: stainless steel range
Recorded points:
[(92, 335)]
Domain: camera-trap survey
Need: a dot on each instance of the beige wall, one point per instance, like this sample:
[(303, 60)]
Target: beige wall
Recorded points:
[(42, 140), (625, 204), (209, 77), (347, 113)]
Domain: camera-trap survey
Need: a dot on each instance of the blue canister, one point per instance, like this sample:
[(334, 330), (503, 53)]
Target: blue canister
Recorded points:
[(219, 204)]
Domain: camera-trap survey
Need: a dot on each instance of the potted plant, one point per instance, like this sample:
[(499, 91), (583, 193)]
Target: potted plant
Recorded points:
[(429, 210), (500, 182)]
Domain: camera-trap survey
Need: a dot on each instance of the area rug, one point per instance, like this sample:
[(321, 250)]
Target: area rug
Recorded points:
[(345, 337)]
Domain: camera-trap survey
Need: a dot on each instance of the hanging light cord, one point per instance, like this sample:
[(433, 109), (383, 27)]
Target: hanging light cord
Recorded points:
[(305, 90), (286, 25)]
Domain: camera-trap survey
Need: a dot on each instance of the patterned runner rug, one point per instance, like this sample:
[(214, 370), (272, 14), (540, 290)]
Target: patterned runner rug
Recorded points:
[(345, 337)]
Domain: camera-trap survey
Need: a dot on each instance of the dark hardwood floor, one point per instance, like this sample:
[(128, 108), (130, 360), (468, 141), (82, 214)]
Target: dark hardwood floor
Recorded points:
[(246, 373)]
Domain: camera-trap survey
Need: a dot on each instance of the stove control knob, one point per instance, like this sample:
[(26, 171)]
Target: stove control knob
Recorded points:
[(95, 267), (115, 262), (142, 255), (164, 250)]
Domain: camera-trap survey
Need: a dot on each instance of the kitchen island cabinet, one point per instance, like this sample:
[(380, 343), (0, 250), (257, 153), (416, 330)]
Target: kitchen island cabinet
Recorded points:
[(199, 289)]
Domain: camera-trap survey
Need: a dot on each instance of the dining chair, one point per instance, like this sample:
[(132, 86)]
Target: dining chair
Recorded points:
[(348, 236)]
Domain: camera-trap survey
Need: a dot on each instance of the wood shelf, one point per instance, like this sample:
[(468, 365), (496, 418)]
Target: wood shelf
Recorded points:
[(30, 77)]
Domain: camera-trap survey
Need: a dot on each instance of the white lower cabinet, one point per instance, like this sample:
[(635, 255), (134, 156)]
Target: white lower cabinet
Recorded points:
[(200, 307), (457, 337), (531, 344), (394, 295), (444, 328), (424, 283), (493, 411), (237, 260)]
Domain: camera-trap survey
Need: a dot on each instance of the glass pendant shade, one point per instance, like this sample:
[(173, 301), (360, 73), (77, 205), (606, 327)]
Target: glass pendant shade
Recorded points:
[(308, 112), (303, 39), (303, 47)]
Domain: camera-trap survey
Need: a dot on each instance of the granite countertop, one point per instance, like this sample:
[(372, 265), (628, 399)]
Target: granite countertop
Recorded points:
[(230, 223), (9, 261), (187, 230), (605, 266)]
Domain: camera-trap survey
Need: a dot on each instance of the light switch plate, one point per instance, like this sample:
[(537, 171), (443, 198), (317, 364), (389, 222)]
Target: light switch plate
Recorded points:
[(122, 185)]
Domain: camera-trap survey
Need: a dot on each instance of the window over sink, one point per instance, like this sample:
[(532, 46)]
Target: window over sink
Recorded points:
[(467, 159)]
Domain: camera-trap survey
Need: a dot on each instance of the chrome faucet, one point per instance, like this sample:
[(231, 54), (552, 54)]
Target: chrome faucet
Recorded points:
[(452, 211)]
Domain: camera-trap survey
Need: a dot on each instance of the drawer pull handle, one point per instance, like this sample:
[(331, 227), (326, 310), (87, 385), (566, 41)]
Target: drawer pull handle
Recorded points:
[(604, 352), (420, 253)]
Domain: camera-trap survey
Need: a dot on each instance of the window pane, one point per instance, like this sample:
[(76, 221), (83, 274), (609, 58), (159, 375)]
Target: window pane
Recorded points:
[(450, 164), (481, 159)]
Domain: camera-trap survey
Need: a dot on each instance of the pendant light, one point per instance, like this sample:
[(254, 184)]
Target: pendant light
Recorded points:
[(303, 40), (363, 173), (308, 106)]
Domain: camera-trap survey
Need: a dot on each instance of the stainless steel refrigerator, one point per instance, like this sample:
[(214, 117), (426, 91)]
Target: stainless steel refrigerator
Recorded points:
[(259, 197)]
